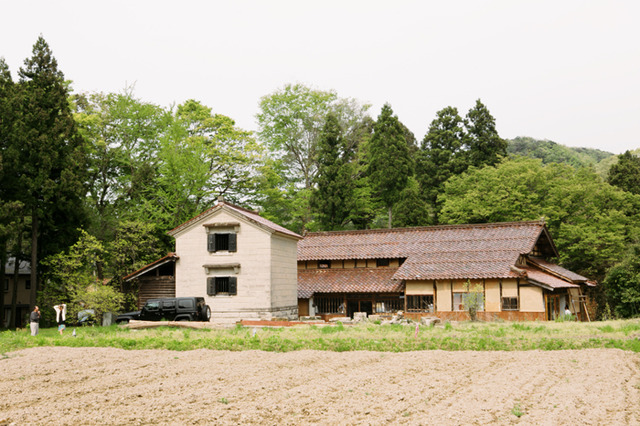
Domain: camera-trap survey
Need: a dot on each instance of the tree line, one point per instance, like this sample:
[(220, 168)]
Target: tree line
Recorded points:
[(91, 182)]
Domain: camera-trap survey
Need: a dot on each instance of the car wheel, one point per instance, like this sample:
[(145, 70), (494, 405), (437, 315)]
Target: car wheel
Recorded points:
[(206, 315)]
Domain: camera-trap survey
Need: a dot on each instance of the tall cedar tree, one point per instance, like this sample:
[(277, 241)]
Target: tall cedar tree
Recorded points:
[(6, 123), (485, 147), (390, 163), (9, 210), (47, 156), (331, 198), (441, 155), (411, 209), (625, 174)]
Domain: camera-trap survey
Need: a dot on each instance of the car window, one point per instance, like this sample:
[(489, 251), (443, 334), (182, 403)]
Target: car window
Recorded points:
[(168, 304), (152, 306), (187, 303)]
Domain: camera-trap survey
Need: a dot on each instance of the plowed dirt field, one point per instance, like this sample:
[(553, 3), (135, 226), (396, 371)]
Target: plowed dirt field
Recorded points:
[(57, 385)]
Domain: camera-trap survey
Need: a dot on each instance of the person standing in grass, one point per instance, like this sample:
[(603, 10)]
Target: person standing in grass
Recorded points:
[(61, 312), (34, 320)]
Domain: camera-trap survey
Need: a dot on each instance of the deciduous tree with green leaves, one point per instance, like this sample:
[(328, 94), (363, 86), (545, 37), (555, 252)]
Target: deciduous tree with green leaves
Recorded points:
[(622, 284), (625, 174), (72, 279), (290, 123), (124, 137), (135, 245), (203, 156), (591, 221)]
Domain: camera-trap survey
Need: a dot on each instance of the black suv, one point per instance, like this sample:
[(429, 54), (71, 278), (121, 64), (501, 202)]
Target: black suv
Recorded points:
[(171, 309)]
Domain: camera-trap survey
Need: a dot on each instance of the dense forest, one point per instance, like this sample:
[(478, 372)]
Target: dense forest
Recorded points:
[(91, 182)]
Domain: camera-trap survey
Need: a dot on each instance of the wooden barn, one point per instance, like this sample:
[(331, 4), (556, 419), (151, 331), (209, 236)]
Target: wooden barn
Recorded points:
[(426, 271), (155, 280)]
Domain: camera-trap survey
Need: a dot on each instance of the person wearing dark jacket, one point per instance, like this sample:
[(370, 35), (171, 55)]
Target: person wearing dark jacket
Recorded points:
[(34, 321)]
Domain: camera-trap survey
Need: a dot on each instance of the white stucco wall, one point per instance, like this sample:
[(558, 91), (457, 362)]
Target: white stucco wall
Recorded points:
[(284, 272)]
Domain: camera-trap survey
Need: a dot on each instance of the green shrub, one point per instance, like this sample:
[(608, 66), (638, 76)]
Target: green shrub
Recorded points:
[(473, 300)]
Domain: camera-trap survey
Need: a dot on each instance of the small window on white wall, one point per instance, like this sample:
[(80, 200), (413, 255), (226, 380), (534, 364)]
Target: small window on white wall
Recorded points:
[(222, 285), (226, 241)]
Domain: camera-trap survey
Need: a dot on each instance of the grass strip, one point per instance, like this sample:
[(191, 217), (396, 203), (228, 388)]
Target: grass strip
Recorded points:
[(621, 334)]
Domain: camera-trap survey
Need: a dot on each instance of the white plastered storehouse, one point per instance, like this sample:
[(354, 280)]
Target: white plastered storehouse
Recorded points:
[(244, 265)]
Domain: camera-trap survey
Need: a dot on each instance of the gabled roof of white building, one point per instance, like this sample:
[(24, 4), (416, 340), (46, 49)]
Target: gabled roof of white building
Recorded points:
[(249, 215)]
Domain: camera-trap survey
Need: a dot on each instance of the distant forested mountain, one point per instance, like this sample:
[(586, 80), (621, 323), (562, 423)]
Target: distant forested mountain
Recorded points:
[(551, 152)]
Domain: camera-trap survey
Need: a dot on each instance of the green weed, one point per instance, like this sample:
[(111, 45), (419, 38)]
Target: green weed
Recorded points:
[(517, 410)]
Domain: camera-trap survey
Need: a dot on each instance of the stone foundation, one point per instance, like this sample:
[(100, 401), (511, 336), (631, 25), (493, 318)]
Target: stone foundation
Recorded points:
[(286, 313)]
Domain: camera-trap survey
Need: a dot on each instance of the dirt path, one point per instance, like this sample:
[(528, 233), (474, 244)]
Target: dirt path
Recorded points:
[(111, 386)]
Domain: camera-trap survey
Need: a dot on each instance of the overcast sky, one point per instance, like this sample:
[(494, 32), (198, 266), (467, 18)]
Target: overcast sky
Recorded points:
[(567, 71)]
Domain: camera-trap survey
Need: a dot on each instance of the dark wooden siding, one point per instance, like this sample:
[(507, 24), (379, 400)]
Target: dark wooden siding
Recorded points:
[(156, 287)]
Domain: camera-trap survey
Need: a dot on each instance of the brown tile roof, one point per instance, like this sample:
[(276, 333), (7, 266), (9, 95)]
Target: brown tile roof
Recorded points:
[(557, 270), (538, 276), (437, 252), (477, 268), (356, 280), (248, 214)]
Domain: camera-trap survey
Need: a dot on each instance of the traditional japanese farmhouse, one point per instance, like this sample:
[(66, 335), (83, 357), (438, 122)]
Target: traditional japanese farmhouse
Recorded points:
[(243, 264), (427, 270)]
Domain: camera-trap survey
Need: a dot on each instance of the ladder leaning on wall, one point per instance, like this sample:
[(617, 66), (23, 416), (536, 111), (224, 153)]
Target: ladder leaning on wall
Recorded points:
[(582, 303)]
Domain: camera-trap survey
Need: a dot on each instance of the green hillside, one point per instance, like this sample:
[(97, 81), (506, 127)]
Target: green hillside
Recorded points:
[(552, 152)]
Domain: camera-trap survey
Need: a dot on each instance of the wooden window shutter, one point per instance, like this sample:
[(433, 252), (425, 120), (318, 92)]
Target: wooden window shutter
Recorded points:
[(233, 285), (233, 245), (211, 286), (211, 242)]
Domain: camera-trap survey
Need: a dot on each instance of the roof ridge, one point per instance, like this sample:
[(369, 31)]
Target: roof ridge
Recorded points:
[(427, 228), (236, 206)]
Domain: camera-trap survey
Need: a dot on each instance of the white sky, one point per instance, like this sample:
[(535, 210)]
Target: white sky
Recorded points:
[(567, 71)]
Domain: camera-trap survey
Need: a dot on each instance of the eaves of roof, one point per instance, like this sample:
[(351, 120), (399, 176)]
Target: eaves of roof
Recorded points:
[(354, 280), (170, 257), (545, 280), (557, 270)]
